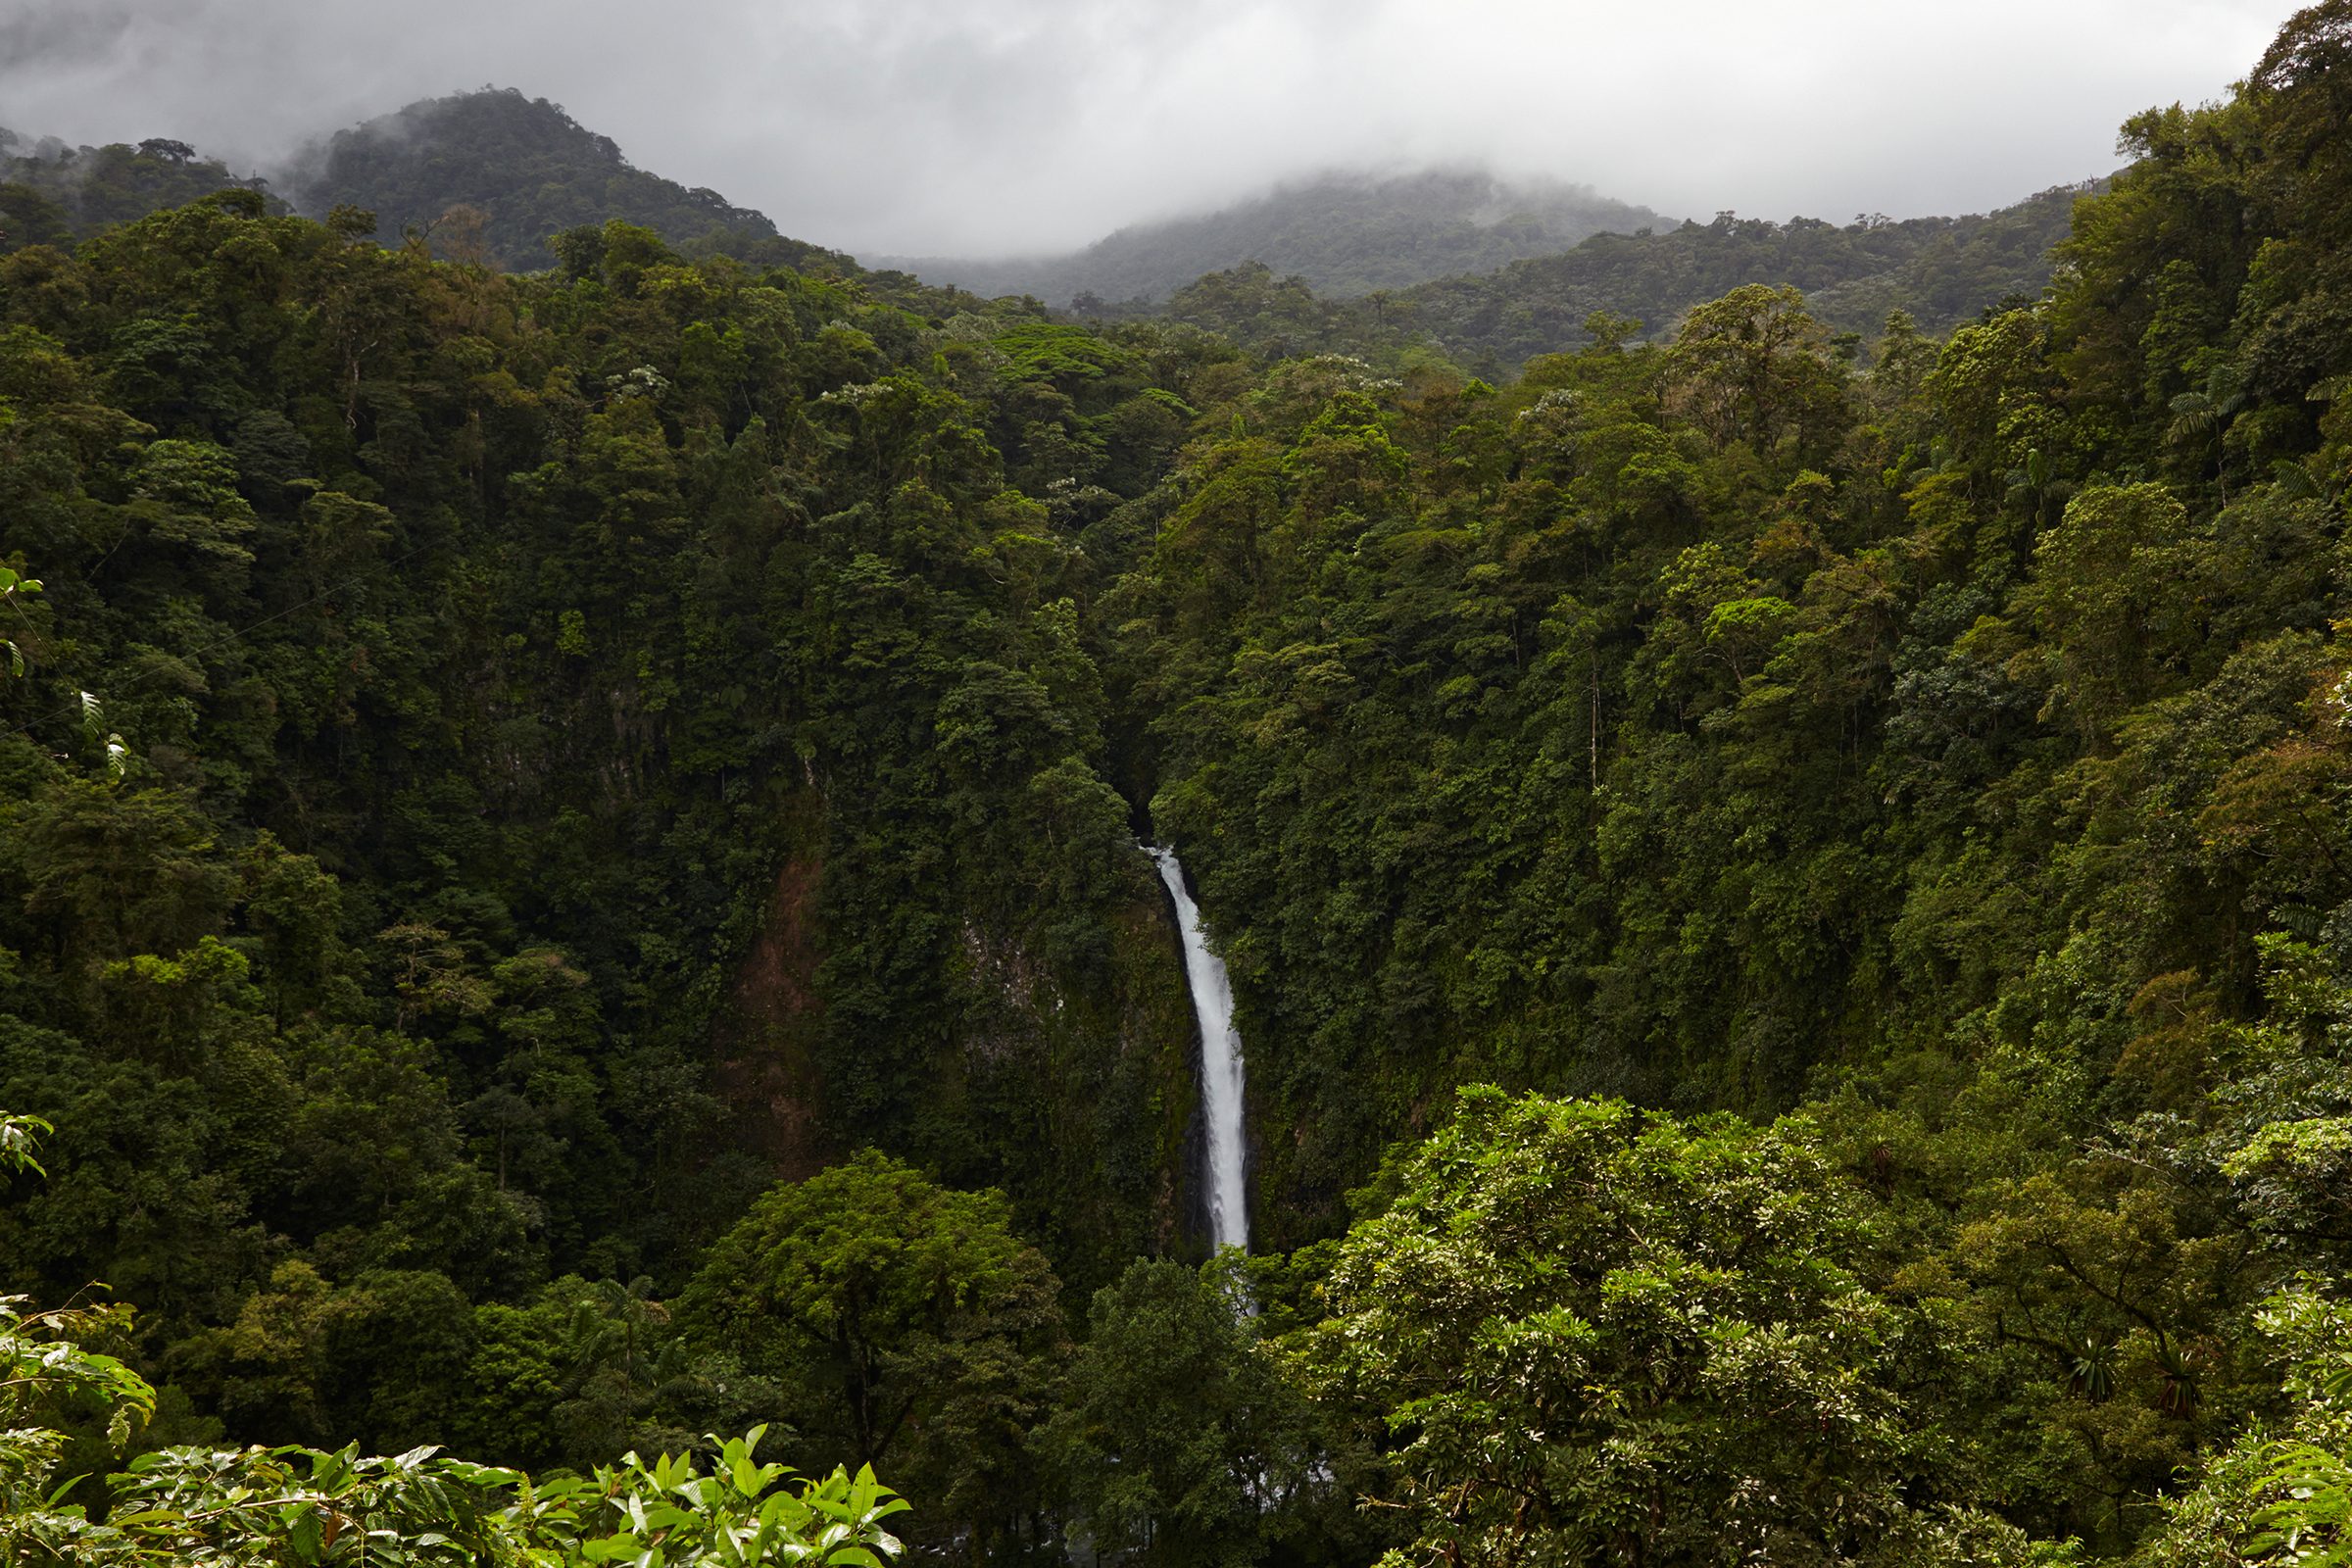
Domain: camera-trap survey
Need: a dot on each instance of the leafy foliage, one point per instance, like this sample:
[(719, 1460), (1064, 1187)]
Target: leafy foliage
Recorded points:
[(1591, 1334), (388, 1014), (584, 753), (1179, 1439), (51, 193), (906, 1324), (1938, 272), (304, 1506)]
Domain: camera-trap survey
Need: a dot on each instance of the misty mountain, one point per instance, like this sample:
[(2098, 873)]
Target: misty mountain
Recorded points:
[(1939, 271), (1347, 234), (1479, 271), (52, 193), (532, 170)]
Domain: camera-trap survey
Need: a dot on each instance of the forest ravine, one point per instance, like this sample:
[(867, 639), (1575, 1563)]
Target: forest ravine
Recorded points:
[(573, 894)]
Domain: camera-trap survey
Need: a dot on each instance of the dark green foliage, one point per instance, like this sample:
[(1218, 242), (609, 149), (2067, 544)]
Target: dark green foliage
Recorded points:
[(1708, 721), (902, 1323), (1692, 715), (1590, 1335), (502, 175), (1938, 271), (507, 769), (479, 663), (51, 194), (1179, 1438), (294, 1504), (28, 216), (1941, 271)]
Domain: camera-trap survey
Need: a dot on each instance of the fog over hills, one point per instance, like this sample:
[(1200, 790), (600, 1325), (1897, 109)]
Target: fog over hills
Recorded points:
[(1345, 232), (1483, 270), (1005, 127), (529, 167)]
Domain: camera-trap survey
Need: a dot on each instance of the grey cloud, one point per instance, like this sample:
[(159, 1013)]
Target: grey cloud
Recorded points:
[(936, 126)]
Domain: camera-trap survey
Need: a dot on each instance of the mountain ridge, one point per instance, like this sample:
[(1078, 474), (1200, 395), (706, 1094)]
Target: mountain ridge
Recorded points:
[(1462, 262), (531, 170), (1347, 231)]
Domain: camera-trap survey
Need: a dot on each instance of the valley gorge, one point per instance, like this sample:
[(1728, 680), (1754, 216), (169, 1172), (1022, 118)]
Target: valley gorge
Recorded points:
[(1684, 901)]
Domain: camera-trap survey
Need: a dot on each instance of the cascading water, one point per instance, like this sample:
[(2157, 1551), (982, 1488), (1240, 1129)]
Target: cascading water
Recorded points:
[(1220, 1064)]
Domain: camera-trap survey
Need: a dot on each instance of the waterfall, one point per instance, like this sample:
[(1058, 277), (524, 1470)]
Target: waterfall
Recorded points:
[(1220, 1064)]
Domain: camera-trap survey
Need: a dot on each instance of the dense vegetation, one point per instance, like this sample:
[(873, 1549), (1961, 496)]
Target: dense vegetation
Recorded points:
[(1345, 234), (51, 194), (1939, 272), (1400, 270), (593, 741), (567, 884), (497, 174)]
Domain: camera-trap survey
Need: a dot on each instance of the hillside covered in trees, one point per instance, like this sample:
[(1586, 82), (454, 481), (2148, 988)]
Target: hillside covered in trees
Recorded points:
[(1939, 271), (1472, 270), (570, 889), (51, 194), (506, 172), (1622, 287), (1345, 234)]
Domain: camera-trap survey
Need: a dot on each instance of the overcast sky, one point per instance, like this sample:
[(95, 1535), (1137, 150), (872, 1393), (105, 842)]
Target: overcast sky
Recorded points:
[(987, 127)]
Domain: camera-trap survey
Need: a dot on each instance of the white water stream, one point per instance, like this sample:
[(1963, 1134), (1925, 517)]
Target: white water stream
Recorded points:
[(1220, 1064)]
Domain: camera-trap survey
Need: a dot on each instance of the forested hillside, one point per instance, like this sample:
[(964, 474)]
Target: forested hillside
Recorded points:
[(569, 883), (52, 195), (1939, 272), (1345, 234), (590, 743), (499, 173), (1478, 272)]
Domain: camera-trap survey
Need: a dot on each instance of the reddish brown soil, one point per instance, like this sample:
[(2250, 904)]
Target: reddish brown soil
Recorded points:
[(765, 1069)]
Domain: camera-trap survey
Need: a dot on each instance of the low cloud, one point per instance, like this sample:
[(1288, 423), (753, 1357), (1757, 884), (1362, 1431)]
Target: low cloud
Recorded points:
[(994, 127)]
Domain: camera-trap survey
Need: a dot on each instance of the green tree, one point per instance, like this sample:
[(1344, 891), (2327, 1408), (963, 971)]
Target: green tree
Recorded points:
[(905, 1323), (2284, 1494), (1591, 1334), (1755, 366), (291, 1505), (2114, 589), (12, 588), (1178, 1438)]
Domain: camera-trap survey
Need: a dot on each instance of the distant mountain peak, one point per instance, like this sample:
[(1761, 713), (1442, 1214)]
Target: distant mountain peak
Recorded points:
[(532, 169), (1345, 230)]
